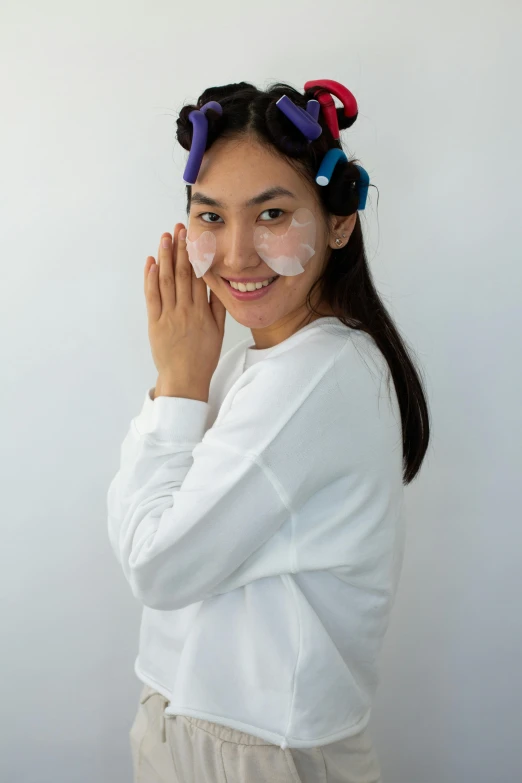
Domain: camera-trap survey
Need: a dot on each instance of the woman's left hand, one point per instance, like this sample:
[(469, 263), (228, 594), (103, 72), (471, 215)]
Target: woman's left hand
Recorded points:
[(185, 329)]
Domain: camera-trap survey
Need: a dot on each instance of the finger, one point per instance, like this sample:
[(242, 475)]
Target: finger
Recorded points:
[(152, 294), (218, 309), (199, 289), (148, 263), (183, 271), (175, 242), (167, 285), (175, 233)]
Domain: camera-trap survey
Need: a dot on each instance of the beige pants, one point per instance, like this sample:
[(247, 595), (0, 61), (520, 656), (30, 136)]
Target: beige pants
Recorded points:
[(180, 749)]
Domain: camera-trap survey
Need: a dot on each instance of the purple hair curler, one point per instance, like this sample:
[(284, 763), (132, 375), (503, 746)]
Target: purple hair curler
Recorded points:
[(305, 121), (199, 140)]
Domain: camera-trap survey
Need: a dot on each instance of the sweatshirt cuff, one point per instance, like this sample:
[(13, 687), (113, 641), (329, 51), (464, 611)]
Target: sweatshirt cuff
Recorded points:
[(172, 418)]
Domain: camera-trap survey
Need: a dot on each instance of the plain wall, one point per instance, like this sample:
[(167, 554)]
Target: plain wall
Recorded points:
[(91, 175)]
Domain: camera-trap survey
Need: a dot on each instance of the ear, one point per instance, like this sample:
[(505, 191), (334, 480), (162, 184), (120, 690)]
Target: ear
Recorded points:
[(341, 224)]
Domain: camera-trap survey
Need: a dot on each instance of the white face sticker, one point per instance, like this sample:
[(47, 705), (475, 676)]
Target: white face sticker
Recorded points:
[(288, 252), (201, 252), (286, 249)]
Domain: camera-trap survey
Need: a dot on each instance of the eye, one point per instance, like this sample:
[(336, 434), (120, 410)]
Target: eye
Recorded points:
[(201, 214), (274, 210), (208, 213)]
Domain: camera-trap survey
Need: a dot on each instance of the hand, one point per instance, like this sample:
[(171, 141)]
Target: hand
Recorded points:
[(185, 329)]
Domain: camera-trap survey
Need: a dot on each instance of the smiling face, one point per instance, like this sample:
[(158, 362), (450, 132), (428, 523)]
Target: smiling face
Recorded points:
[(232, 236)]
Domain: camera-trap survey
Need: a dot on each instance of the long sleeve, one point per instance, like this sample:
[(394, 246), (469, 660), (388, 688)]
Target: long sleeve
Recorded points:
[(192, 411), (189, 505)]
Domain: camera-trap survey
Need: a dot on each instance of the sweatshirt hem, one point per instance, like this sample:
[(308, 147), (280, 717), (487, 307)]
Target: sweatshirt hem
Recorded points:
[(269, 736), (272, 737)]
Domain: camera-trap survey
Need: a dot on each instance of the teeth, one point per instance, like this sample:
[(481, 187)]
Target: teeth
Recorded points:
[(251, 286)]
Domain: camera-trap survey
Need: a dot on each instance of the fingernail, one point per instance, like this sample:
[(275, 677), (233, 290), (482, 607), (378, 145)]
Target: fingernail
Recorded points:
[(183, 234), (165, 242)]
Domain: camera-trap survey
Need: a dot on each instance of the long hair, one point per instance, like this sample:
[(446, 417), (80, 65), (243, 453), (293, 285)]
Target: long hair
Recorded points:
[(346, 282)]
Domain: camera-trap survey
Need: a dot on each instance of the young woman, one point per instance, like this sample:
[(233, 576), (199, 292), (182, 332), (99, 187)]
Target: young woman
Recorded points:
[(257, 510)]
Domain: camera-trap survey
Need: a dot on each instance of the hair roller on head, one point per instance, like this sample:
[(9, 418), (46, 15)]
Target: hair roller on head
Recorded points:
[(185, 128), (293, 127), (347, 182), (199, 126), (199, 139), (335, 118)]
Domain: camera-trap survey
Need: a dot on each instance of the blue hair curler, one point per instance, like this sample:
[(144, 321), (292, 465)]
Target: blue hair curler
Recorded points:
[(362, 186), (328, 164)]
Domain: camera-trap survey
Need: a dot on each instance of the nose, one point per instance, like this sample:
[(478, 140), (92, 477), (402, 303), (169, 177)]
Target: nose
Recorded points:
[(238, 253)]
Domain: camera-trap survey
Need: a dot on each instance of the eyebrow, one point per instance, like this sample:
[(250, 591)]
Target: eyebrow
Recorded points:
[(266, 195)]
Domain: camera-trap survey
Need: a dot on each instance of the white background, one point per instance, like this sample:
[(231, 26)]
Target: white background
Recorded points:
[(91, 175)]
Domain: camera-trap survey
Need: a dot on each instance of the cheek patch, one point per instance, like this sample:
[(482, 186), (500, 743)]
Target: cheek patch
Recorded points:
[(201, 252), (288, 252)]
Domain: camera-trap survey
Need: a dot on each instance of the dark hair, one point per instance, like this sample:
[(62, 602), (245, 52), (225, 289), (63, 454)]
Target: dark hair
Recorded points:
[(346, 282)]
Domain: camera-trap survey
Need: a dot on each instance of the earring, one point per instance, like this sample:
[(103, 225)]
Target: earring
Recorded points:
[(339, 241)]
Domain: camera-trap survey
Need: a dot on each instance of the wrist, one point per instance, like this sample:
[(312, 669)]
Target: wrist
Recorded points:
[(167, 387)]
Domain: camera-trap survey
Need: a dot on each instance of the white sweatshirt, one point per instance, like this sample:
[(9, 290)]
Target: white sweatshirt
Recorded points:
[(262, 531)]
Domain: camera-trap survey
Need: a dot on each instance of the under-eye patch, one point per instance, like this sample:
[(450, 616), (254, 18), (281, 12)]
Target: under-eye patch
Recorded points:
[(285, 248)]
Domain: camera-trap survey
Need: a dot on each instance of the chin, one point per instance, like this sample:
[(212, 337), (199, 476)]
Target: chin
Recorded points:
[(251, 321)]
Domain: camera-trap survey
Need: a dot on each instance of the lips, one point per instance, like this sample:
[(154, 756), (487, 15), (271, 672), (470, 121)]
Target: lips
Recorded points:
[(272, 280), (261, 280), (257, 293)]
